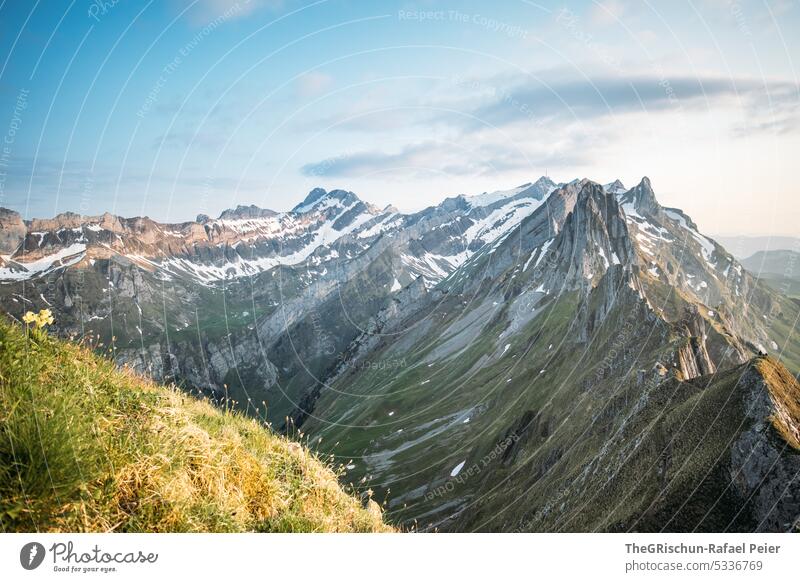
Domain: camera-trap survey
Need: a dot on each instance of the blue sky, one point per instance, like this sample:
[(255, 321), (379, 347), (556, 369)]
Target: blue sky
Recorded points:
[(173, 108)]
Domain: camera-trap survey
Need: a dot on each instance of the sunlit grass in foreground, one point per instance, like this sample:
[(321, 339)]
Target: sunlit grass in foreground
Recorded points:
[(87, 447)]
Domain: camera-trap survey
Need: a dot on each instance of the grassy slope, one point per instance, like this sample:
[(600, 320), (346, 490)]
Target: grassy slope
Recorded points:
[(785, 394), (786, 285), (706, 416), (493, 396), (85, 447), (675, 474), (564, 417)]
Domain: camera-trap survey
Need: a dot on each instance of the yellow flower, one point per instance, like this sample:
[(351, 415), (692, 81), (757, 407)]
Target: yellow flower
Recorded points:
[(39, 320), (46, 317)]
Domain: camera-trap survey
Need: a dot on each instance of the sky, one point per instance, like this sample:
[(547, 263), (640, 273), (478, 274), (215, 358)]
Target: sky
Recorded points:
[(174, 108)]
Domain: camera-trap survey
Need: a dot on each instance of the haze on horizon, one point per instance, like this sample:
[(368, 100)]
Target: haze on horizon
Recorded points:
[(185, 107)]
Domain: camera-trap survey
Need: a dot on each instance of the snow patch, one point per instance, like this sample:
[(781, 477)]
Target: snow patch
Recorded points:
[(457, 469), (63, 258)]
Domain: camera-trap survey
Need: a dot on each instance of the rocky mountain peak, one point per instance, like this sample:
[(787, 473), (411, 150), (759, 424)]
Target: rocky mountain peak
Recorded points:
[(63, 220), (242, 212), (642, 198), (314, 195), (319, 196), (607, 208), (344, 196), (594, 237), (615, 187), (6, 214), (540, 188)]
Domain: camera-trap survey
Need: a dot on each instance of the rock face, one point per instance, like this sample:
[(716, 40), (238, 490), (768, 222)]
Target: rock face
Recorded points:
[(593, 238), (694, 360), (761, 470), (12, 231), (642, 198), (244, 212), (573, 348), (693, 357)]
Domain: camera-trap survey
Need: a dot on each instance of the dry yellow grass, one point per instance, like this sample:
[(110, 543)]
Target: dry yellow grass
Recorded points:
[(785, 394), (87, 447)]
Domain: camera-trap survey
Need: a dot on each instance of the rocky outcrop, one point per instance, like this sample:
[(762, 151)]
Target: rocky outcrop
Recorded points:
[(206, 367), (403, 304), (765, 465), (242, 212), (594, 237), (693, 357), (642, 198), (12, 231)]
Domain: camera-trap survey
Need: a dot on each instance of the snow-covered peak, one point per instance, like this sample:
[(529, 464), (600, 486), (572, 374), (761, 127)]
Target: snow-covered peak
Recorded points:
[(641, 198), (489, 198), (616, 187), (319, 199), (538, 190)]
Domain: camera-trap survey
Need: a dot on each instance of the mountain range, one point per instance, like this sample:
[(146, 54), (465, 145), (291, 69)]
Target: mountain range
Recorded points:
[(743, 247), (554, 357), (779, 269)]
